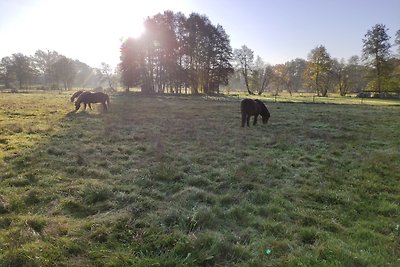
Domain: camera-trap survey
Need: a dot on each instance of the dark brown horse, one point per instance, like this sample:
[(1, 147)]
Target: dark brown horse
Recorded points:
[(88, 97), (250, 107), (76, 95)]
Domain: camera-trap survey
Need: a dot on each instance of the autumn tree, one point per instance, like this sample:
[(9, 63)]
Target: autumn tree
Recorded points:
[(376, 52), (318, 70)]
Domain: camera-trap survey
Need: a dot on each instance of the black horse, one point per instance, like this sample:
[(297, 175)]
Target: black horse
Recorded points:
[(76, 95), (250, 107), (88, 97)]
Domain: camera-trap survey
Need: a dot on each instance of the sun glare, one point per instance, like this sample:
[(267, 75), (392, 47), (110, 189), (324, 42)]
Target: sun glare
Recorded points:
[(90, 30)]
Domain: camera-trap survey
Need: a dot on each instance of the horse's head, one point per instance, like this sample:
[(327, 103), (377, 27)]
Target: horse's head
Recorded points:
[(265, 118), (77, 105)]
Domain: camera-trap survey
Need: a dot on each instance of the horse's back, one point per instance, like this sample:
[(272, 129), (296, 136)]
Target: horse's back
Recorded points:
[(248, 106), (96, 97)]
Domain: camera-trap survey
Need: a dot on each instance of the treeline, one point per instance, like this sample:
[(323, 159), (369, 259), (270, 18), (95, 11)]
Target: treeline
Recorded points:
[(378, 70), (188, 54), (51, 70), (177, 54)]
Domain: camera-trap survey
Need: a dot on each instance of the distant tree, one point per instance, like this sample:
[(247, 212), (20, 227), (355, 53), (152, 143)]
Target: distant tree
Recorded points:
[(23, 68), (393, 81), (131, 66), (107, 75), (85, 75), (44, 62), (397, 41), (261, 77), (176, 51), (64, 71), (295, 74), (376, 51), (356, 74), (220, 54), (6, 71), (340, 72), (280, 77), (318, 70), (244, 62)]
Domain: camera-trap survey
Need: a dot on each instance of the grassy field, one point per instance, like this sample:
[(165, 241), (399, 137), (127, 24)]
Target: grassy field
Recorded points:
[(175, 181)]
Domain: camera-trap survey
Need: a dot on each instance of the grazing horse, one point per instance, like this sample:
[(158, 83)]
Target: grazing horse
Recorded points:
[(88, 97), (250, 107), (76, 95)]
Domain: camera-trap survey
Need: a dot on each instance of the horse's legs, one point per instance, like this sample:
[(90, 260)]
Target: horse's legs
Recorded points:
[(84, 106), (255, 119), (104, 106), (248, 120), (243, 119), (90, 106)]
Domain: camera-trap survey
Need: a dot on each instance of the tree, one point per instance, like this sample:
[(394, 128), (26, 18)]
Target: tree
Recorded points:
[(44, 62), (244, 61), (295, 74), (318, 70), (23, 69), (339, 70), (356, 74), (261, 77), (6, 71), (64, 71), (376, 50), (107, 74), (131, 64), (397, 41), (85, 75), (176, 51)]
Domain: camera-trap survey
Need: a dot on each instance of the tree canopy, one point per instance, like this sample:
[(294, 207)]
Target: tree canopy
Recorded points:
[(177, 53)]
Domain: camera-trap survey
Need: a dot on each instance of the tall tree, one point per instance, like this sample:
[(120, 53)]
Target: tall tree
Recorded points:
[(318, 70), (295, 74), (176, 51), (6, 71), (244, 61), (131, 64), (340, 72), (24, 71), (107, 75), (397, 41), (64, 71), (44, 62), (376, 51)]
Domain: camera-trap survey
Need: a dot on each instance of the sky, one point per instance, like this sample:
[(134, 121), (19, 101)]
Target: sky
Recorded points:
[(277, 30)]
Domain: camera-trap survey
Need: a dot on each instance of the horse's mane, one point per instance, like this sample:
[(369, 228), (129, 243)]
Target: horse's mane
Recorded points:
[(75, 95)]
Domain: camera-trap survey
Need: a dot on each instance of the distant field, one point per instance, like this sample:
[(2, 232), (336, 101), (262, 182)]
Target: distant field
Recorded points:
[(175, 181)]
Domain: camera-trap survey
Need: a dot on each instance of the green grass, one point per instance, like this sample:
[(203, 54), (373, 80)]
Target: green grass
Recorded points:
[(175, 181)]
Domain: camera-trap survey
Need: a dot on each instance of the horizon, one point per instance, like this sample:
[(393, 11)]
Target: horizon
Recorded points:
[(92, 31)]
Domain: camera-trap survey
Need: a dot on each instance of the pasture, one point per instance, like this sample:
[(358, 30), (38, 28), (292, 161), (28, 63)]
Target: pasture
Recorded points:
[(175, 181)]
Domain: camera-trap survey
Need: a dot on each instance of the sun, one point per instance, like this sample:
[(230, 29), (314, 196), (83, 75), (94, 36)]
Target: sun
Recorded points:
[(90, 30)]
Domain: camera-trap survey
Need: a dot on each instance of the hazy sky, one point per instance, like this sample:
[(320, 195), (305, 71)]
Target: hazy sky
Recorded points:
[(277, 30)]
